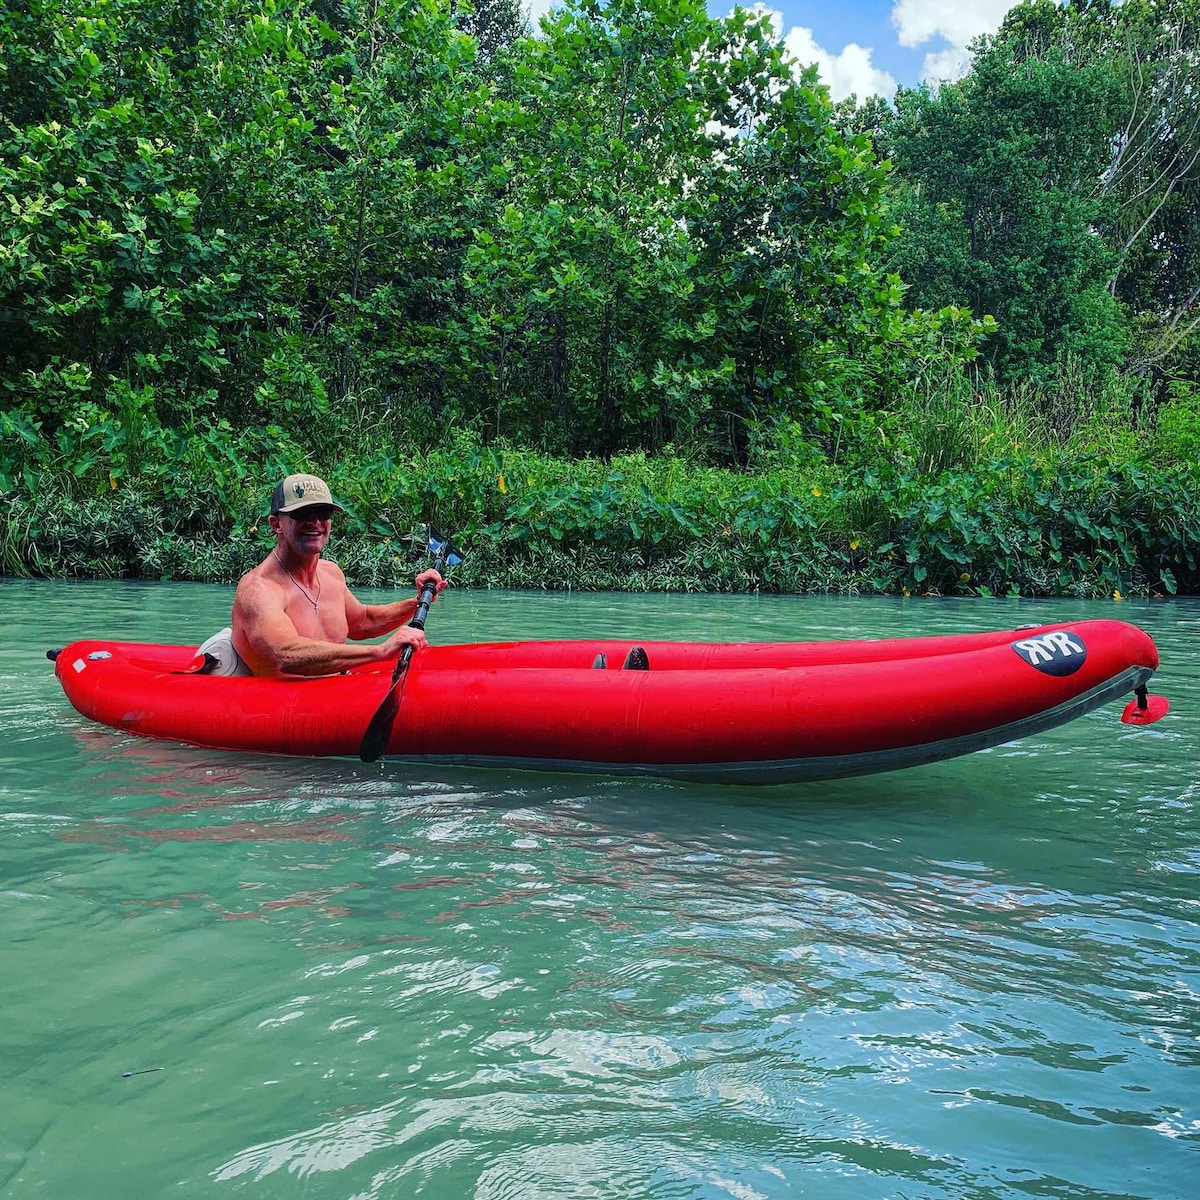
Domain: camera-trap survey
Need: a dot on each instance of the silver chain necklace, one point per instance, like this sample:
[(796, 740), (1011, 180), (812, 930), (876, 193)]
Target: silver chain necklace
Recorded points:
[(303, 590)]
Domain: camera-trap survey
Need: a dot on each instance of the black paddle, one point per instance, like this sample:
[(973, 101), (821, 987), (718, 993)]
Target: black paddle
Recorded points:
[(379, 731)]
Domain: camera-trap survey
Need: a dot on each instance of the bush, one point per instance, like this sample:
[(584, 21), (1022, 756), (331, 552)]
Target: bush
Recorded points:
[(1176, 438)]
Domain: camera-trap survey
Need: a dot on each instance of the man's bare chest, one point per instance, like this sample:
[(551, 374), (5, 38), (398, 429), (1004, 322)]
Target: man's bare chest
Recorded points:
[(324, 621)]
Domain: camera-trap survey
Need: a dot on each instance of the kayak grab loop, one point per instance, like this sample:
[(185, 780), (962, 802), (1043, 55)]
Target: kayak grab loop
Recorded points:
[(52, 655), (1145, 709)]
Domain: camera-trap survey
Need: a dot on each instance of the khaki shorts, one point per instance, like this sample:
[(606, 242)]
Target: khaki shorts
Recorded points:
[(224, 658)]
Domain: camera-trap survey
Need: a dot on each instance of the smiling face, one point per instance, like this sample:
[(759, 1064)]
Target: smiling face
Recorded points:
[(305, 531)]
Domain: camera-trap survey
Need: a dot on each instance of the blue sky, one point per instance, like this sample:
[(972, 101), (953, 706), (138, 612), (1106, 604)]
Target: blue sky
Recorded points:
[(870, 46)]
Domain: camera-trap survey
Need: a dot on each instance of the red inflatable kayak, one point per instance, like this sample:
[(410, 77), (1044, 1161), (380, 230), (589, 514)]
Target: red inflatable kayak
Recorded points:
[(738, 713)]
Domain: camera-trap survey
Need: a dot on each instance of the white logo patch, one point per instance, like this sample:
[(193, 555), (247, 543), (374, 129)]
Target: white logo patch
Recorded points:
[(1059, 652)]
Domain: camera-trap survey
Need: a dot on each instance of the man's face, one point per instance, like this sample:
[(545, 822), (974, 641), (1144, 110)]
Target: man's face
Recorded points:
[(306, 531)]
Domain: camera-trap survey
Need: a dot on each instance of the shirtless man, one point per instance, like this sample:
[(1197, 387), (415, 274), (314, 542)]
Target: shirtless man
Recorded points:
[(293, 612)]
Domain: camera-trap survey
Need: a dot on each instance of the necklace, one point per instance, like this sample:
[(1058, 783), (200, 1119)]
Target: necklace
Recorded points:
[(303, 590)]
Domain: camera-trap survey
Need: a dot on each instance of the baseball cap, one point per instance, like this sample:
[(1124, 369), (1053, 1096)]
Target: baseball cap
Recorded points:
[(301, 491)]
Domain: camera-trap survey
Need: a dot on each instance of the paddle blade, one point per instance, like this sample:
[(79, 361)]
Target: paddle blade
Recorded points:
[(1152, 709), (379, 731), (444, 553)]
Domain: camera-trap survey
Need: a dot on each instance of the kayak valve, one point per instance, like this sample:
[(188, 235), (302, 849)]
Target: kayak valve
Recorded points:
[(1145, 709), (52, 655)]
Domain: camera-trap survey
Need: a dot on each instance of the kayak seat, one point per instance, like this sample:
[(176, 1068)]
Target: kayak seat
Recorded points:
[(636, 660)]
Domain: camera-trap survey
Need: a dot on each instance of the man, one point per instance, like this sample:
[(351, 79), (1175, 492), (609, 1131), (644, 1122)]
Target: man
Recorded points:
[(293, 612)]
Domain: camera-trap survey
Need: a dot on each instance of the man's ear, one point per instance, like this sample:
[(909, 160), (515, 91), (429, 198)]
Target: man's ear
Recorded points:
[(276, 522)]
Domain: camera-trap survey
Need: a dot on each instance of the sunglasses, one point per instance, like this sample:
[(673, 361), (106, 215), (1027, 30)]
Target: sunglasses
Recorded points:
[(314, 512)]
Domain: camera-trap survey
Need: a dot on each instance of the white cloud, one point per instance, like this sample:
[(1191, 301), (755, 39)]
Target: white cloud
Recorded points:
[(958, 21), (851, 71), (945, 66)]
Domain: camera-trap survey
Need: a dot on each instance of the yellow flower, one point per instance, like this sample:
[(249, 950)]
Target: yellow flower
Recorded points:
[(502, 485), (854, 544), (1117, 595), (965, 577), (112, 482), (816, 491)]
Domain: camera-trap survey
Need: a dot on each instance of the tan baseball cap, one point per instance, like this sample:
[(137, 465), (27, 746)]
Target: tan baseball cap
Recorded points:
[(301, 491)]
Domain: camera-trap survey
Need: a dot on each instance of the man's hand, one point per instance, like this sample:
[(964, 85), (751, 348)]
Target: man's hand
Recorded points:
[(430, 576), (406, 635)]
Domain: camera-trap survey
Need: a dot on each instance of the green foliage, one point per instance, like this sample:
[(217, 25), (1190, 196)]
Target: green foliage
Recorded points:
[(127, 532), (686, 245), (407, 246), (112, 286), (638, 227), (1063, 527), (1176, 437), (1056, 185), (1151, 185), (1044, 523), (999, 204)]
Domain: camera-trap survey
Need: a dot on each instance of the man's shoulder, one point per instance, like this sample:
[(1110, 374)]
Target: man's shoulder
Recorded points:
[(257, 583)]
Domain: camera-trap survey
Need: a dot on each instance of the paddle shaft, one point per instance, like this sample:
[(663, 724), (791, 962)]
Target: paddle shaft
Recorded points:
[(428, 591), (424, 600), (375, 739)]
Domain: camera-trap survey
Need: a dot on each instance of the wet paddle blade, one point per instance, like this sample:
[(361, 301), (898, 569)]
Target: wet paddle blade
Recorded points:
[(445, 553), (375, 740), (379, 731)]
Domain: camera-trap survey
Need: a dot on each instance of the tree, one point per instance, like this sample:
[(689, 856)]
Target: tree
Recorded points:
[(226, 216), (227, 210), (494, 24), (1057, 184), (113, 287), (689, 249), (998, 201), (1152, 182)]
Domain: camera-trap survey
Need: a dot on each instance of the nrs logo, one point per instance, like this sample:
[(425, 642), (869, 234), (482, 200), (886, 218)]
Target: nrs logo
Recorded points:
[(1057, 653)]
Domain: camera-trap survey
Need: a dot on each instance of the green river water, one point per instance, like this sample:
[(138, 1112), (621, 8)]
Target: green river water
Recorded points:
[(235, 976)]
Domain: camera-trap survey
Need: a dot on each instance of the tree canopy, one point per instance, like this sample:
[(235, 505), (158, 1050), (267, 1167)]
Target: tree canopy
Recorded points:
[(640, 226), (1056, 186)]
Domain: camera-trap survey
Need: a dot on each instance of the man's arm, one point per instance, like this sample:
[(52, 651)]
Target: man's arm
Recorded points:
[(276, 648), (370, 620)]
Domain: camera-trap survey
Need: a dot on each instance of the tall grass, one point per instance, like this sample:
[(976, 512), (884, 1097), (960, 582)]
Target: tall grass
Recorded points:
[(961, 418)]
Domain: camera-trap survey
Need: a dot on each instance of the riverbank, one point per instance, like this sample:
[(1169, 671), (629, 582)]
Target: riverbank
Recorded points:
[(1030, 526)]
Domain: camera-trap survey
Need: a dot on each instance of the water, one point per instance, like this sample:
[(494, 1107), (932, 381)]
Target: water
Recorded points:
[(224, 974)]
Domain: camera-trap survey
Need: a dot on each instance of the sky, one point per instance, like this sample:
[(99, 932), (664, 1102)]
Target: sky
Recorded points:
[(872, 46)]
